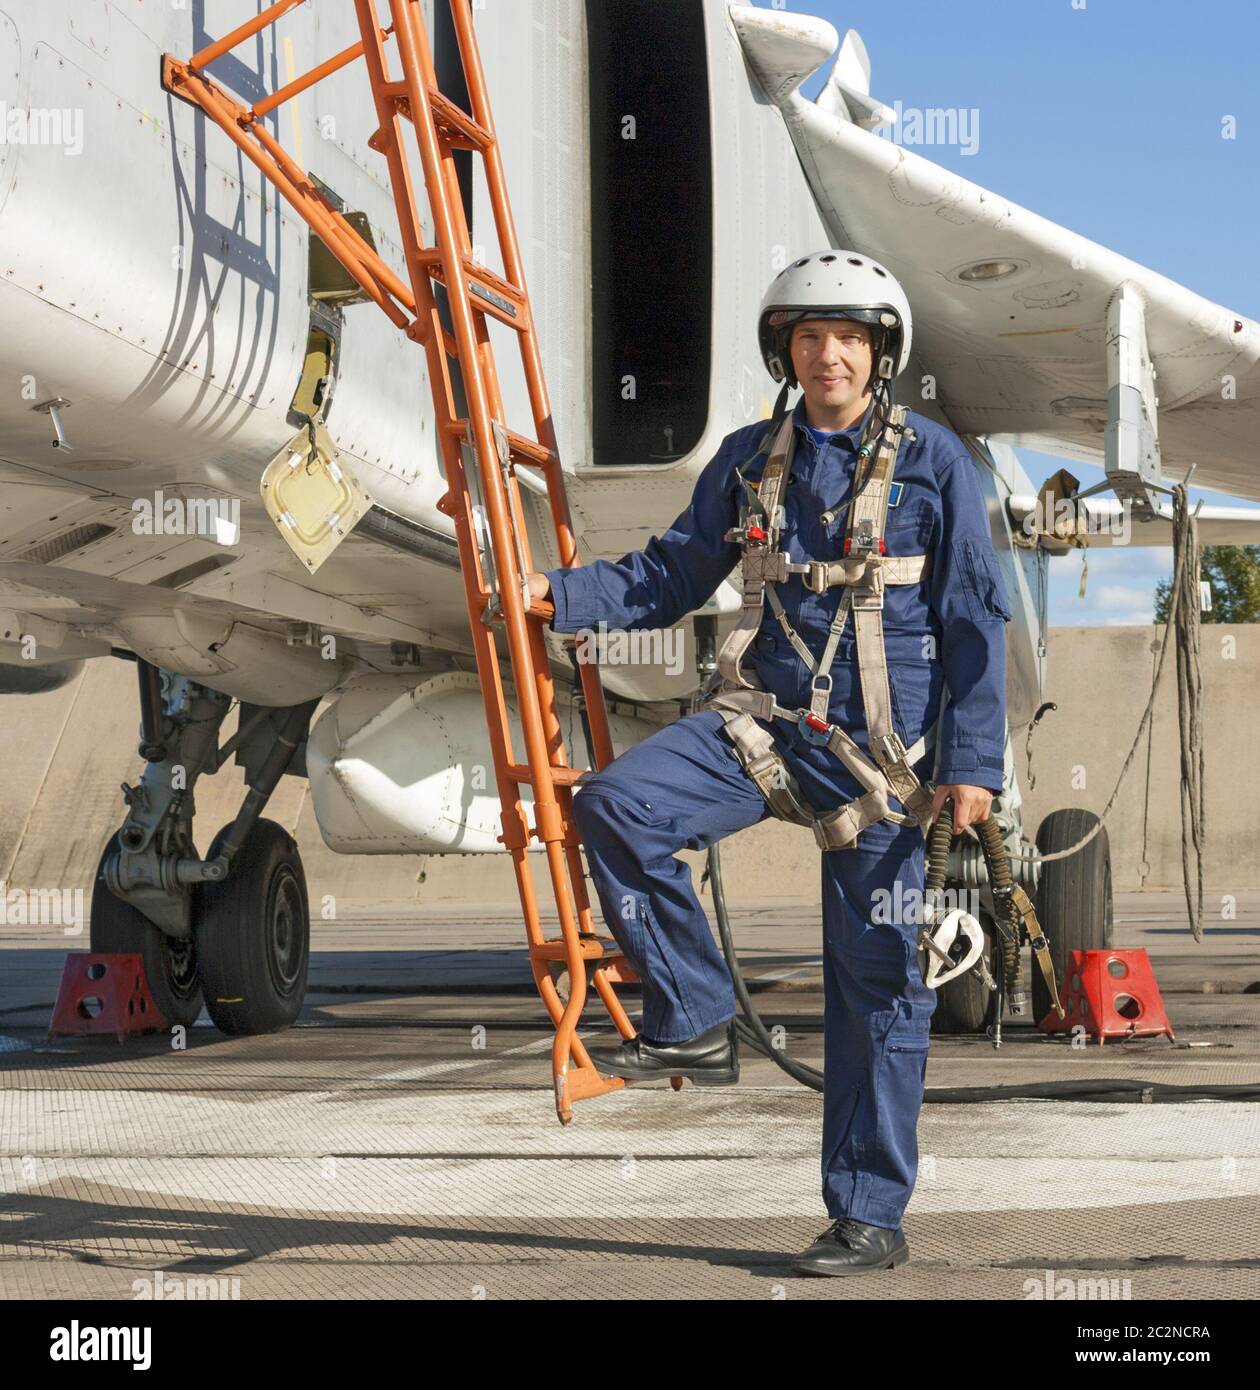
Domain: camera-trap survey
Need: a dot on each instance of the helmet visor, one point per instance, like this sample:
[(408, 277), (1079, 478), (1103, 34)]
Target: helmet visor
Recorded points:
[(784, 318)]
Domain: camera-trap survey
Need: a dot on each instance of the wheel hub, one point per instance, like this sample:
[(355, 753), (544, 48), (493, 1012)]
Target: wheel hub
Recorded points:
[(284, 931)]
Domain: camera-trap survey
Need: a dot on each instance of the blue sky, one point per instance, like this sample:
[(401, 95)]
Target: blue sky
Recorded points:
[(1107, 119)]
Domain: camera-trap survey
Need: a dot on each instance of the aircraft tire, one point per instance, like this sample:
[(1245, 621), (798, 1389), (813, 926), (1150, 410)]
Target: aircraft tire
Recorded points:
[(170, 966), (253, 935), (1073, 899)]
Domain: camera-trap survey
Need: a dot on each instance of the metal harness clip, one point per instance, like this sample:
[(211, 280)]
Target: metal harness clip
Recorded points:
[(813, 730), (815, 576), (864, 541), (891, 750)]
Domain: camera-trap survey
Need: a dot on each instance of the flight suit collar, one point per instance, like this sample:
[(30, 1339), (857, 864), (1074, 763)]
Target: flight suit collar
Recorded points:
[(848, 441)]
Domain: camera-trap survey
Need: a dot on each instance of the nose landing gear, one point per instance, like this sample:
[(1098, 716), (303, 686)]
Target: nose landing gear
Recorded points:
[(170, 962), (233, 928)]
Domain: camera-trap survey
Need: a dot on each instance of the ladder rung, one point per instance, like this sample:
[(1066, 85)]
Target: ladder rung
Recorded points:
[(592, 947), (530, 451), (455, 127), (540, 608), (560, 776), (448, 117), (495, 296), (521, 448), (489, 598)]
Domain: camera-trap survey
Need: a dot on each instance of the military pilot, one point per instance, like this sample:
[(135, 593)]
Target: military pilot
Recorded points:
[(871, 598)]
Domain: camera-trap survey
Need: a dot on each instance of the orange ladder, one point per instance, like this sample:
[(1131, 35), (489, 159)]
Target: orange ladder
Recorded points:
[(474, 293)]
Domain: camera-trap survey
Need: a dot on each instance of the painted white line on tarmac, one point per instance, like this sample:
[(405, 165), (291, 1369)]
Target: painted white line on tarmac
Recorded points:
[(646, 1153)]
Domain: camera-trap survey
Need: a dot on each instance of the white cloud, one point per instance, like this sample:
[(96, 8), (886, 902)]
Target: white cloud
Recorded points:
[(1121, 596), (1119, 581)]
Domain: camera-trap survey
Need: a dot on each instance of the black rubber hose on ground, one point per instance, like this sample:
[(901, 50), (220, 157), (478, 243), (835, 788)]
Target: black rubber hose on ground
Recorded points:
[(752, 1030), (1102, 1089)]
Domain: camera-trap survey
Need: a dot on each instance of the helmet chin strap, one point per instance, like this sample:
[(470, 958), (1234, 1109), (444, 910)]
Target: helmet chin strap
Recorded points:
[(879, 351)]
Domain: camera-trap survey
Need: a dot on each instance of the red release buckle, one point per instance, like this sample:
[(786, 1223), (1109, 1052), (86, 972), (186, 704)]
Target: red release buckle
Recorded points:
[(848, 544), (814, 722), (755, 533)]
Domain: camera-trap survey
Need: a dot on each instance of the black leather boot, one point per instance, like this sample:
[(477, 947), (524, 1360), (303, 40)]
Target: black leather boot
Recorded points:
[(712, 1059), (853, 1247)]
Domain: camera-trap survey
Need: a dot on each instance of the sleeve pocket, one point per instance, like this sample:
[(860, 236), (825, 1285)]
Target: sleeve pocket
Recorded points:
[(986, 594)]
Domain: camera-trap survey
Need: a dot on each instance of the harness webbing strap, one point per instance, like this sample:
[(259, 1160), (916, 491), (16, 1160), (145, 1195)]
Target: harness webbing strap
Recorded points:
[(764, 765), (862, 574), (836, 829), (730, 658), (867, 517), (761, 704)]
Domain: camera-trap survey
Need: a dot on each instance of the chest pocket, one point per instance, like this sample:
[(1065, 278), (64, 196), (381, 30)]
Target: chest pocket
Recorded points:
[(907, 527), (910, 521)]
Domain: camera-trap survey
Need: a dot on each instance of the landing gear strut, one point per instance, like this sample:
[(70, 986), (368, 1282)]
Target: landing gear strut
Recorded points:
[(236, 925), (170, 962)]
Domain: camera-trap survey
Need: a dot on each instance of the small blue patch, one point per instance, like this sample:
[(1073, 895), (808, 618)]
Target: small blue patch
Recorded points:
[(894, 493)]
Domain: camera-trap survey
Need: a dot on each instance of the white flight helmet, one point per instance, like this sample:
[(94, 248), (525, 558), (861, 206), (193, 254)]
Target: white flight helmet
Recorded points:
[(835, 284)]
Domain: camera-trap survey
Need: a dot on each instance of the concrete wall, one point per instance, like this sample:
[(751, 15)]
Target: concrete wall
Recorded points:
[(1100, 678), (64, 754)]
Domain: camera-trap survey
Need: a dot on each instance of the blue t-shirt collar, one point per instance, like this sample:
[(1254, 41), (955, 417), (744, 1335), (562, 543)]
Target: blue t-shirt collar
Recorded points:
[(821, 438)]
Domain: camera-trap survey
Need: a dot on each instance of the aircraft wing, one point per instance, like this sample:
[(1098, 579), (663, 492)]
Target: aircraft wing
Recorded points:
[(1010, 309)]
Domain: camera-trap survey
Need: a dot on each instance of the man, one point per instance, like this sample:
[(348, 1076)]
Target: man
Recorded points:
[(903, 602)]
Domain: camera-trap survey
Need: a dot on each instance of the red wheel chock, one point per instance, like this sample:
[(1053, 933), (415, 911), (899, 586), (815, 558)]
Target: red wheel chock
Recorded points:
[(1111, 994), (105, 992)]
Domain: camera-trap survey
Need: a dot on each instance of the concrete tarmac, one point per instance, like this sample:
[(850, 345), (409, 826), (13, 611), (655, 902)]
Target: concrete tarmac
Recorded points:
[(401, 1140)]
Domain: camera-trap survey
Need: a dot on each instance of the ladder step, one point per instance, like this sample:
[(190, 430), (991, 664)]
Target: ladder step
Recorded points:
[(492, 294), (586, 1082), (560, 776), (540, 610), (522, 449), (601, 948), (531, 452), (455, 127)]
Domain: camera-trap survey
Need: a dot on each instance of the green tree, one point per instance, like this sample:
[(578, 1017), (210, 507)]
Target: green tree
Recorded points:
[(1233, 571)]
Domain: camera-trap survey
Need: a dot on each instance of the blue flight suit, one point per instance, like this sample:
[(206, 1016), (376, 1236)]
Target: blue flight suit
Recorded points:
[(684, 787)]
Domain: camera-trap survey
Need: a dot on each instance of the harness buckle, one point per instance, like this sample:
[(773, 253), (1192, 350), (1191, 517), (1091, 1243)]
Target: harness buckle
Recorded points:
[(749, 532), (815, 576), (848, 545), (813, 730), (865, 540), (892, 750)]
